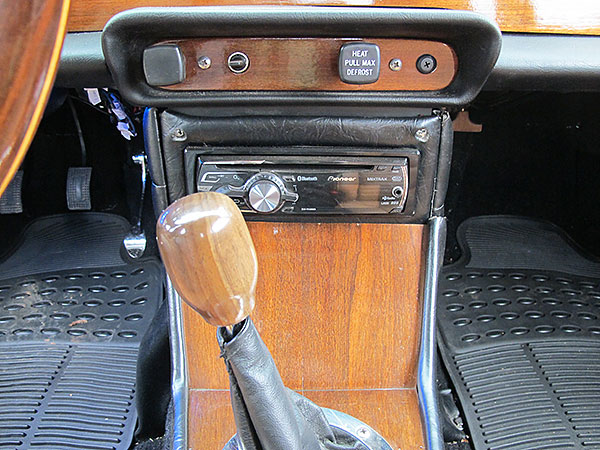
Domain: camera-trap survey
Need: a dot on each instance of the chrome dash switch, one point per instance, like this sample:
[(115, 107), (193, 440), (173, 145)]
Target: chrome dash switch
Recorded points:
[(359, 63)]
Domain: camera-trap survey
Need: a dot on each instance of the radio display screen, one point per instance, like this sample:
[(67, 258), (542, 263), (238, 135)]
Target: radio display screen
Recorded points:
[(348, 191)]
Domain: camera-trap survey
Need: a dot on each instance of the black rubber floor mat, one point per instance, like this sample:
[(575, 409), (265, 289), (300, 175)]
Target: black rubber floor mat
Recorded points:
[(67, 241), (69, 336), (519, 332)]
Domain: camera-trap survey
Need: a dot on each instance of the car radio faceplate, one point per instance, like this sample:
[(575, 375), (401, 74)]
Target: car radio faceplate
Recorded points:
[(307, 184)]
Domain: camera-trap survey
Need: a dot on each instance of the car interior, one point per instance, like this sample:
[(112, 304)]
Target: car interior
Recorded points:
[(299, 225)]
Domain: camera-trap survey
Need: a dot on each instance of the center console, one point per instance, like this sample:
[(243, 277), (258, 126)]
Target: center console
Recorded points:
[(331, 130), (336, 207)]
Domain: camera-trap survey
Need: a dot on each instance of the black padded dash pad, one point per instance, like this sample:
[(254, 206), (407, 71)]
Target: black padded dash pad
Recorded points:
[(519, 332), (72, 315)]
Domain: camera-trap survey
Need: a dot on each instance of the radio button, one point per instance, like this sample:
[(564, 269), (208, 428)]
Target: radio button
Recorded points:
[(264, 196), (289, 196), (232, 191), (210, 178)]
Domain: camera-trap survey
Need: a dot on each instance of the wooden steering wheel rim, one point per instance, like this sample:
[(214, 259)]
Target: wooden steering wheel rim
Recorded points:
[(31, 37)]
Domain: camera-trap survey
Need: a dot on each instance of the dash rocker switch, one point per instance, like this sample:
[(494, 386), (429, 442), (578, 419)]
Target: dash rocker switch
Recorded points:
[(359, 63)]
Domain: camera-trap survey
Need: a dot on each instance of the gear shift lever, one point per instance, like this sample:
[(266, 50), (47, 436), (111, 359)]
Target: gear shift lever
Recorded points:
[(210, 258)]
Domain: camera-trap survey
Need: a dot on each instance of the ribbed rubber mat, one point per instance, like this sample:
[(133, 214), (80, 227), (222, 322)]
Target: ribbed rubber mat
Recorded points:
[(522, 344), (69, 337), (509, 242), (67, 241), (60, 396)]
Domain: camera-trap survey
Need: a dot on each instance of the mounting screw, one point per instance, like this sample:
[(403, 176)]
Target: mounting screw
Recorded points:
[(426, 64), (179, 135), (422, 135), (204, 62), (363, 432), (396, 64)]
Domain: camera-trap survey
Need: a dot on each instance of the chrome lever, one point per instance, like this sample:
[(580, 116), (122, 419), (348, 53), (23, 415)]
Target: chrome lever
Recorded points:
[(135, 241)]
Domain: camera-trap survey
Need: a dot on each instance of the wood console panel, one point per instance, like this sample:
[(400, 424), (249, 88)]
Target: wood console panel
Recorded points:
[(339, 306), (309, 64), (522, 16)]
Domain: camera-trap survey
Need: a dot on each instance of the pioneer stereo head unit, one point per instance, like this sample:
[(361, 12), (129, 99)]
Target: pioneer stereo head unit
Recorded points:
[(305, 169), (306, 184)]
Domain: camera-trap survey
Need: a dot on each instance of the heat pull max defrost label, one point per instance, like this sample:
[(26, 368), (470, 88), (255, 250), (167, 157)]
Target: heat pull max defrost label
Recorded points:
[(359, 63)]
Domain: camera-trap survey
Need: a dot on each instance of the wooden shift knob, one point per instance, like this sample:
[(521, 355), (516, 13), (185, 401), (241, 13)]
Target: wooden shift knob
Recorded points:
[(209, 256)]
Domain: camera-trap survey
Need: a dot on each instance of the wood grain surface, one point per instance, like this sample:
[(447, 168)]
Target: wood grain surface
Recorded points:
[(522, 16), (339, 307), (204, 237), (392, 413), (309, 64), (31, 37)]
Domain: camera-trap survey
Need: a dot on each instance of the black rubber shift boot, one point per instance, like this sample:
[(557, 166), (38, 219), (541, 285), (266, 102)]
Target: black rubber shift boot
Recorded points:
[(265, 416), (268, 415)]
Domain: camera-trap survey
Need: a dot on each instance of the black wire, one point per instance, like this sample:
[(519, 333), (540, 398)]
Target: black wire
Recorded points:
[(79, 132)]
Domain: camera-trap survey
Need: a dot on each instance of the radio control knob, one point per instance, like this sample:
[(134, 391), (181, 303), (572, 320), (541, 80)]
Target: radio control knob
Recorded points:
[(264, 196)]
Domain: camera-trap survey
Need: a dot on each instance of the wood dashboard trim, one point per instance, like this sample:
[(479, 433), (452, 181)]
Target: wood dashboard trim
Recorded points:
[(278, 64), (519, 16)]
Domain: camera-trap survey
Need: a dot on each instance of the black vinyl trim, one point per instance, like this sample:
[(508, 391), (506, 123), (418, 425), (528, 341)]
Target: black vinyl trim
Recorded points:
[(306, 136), (82, 62), (444, 163), (152, 147), (547, 63), (128, 33)]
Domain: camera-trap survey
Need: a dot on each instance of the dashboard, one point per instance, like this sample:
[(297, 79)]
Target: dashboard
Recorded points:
[(545, 46), (199, 70), (236, 81), (321, 122), (299, 56), (334, 113)]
